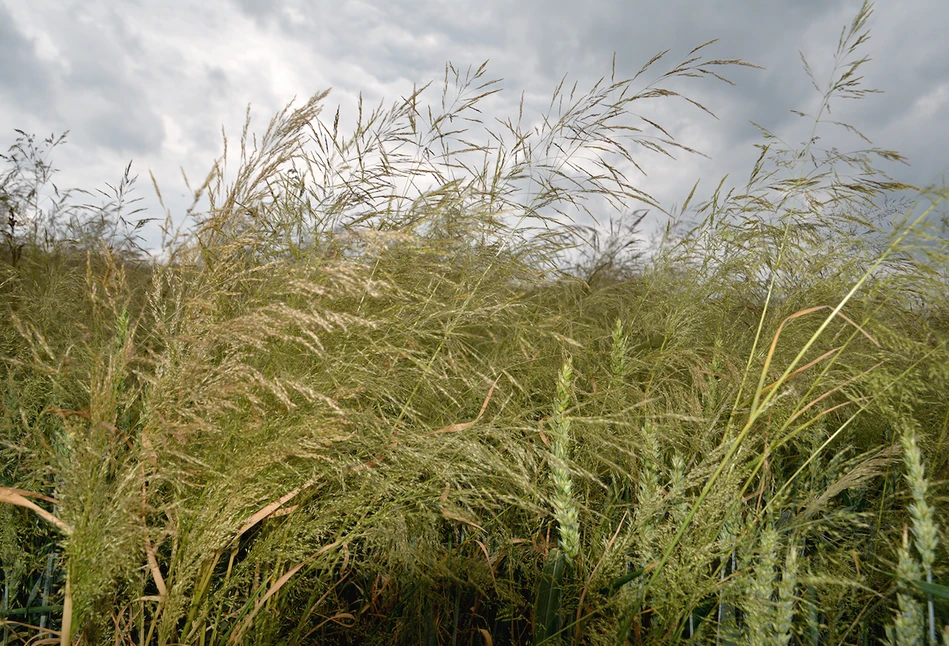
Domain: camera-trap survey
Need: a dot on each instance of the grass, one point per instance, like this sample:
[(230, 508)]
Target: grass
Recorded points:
[(345, 408)]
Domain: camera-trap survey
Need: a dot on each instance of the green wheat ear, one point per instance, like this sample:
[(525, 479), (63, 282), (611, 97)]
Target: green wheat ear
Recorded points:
[(565, 507), (549, 603), (925, 531), (908, 626)]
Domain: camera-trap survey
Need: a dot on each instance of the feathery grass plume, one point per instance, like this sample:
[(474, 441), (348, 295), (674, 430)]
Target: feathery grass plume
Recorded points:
[(91, 456), (925, 528)]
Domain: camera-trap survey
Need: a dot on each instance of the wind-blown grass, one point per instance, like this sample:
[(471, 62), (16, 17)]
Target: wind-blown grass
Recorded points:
[(339, 410)]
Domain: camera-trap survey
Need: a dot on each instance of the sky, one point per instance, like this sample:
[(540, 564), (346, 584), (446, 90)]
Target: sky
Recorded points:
[(154, 83)]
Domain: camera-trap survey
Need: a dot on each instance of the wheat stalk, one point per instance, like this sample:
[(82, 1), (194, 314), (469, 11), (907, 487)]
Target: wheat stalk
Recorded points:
[(564, 503)]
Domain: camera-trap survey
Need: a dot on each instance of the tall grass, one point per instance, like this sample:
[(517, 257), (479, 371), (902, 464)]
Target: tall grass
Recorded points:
[(374, 394)]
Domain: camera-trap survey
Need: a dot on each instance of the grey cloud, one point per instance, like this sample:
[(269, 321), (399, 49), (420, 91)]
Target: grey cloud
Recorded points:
[(127, 80), (116, 113), (23, 76)]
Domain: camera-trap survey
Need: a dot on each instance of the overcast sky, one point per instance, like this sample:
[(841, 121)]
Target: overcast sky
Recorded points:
[(154, 82)]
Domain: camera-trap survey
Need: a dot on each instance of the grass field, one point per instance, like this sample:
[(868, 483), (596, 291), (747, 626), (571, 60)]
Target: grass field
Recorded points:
[(340, 412)]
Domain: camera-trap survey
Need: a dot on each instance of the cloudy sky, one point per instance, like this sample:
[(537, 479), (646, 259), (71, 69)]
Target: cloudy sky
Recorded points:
[(154, 82)]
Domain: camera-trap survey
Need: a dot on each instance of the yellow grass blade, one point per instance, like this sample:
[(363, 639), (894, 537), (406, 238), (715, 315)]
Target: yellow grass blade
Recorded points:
[(14, 497)]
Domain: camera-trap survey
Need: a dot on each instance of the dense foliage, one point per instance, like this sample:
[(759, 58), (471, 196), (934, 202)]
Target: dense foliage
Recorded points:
[(339, 411)]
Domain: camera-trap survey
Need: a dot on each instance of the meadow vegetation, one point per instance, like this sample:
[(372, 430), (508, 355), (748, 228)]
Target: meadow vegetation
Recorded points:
[(375, 395)]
